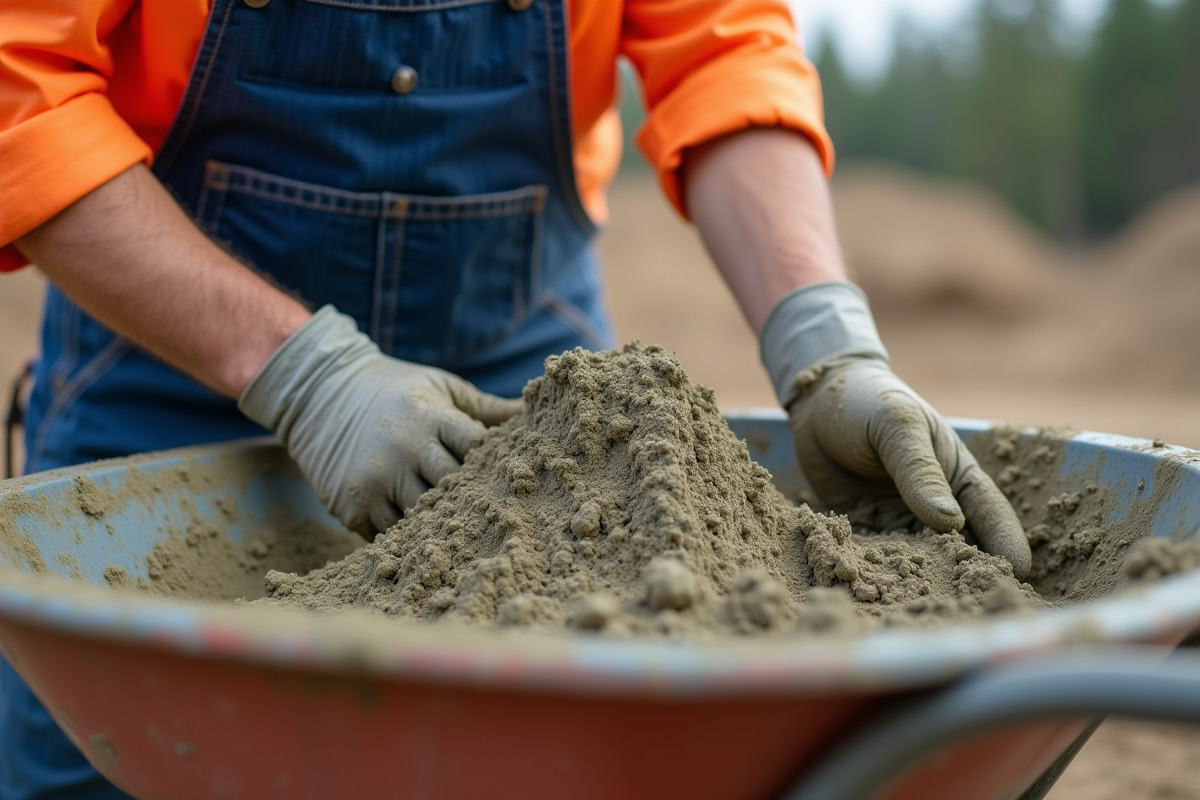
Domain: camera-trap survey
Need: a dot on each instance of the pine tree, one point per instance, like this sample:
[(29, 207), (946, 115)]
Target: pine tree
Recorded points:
[(843, 100), (1015, 128), (1052, 118), (1129, 111), (914, 107), (1185, 42)]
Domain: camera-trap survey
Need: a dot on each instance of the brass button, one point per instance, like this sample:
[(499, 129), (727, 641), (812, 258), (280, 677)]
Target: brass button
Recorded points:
[(519, 5), (404, 80), (257, 3)]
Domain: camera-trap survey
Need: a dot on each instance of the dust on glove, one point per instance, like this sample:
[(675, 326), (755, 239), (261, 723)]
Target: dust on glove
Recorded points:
[(370, 432), (866, 441)]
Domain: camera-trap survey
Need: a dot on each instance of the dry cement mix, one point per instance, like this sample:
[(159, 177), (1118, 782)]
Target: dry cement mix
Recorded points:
[(620, 501)]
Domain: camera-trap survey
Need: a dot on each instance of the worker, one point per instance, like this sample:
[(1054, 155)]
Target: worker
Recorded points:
[(363, 224)]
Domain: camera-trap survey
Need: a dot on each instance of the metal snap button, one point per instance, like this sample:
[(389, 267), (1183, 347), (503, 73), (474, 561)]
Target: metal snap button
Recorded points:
[(404, 80), (256, 3), (519, 5)]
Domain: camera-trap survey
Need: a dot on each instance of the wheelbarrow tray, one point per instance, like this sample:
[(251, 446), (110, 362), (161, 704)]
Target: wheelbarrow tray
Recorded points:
[(193, 699)]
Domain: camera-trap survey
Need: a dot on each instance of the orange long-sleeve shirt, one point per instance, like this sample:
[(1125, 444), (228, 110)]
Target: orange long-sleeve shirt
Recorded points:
[(88, 88)]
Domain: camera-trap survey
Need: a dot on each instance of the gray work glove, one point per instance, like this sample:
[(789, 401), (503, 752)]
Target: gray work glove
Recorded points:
[(370, 432), (867, 442)]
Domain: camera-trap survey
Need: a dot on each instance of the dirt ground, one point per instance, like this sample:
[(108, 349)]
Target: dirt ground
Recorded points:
[(982, 316)]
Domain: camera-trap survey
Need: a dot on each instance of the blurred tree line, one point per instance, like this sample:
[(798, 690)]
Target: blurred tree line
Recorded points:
[(1077, 132), (1077, 135)]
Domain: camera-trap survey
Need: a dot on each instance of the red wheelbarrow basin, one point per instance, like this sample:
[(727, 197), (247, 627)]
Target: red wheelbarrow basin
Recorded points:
[(191, 698)]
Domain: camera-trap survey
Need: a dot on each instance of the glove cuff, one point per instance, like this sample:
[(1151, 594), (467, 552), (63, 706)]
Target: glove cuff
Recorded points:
[(815, 324), (277, 394)]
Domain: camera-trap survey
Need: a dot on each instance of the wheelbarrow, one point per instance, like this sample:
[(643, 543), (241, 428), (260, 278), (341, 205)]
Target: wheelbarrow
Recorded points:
[(190, 698)]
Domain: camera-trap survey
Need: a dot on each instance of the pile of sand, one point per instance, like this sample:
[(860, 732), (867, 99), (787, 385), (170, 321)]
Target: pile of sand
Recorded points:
[(919, 246), (620, 500)]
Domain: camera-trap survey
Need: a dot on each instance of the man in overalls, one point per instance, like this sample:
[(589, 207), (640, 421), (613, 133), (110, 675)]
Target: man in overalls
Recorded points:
[(428, 174)]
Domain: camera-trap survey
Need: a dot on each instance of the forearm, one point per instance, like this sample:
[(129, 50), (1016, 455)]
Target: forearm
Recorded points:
[(760, 200), (128, 255)]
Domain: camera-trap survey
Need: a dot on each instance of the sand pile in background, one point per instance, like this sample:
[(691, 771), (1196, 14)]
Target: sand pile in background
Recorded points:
[(620, 500), (918, 245)]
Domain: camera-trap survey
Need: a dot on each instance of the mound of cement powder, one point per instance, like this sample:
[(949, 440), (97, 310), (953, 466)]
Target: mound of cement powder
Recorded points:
[(620, 500)]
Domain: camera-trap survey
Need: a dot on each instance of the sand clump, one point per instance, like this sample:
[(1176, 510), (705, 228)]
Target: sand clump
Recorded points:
[(1087, 541), (620, 501)]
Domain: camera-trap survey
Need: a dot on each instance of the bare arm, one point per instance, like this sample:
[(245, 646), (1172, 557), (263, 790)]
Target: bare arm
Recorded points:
[(868, 444), (760, 200), (129, 256)]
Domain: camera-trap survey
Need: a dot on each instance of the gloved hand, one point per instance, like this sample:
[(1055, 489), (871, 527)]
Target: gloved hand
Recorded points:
[(864, 439), (370, 432)]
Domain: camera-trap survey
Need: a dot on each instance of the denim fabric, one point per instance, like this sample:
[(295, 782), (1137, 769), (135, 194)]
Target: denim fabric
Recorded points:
[(441, 214)]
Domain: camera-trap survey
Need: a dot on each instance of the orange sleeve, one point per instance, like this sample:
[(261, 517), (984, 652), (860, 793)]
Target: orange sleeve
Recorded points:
[(712, 67), (60, 137)]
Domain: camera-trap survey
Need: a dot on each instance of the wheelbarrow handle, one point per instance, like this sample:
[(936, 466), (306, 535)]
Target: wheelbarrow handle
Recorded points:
[(1126, 682), (15, 418)]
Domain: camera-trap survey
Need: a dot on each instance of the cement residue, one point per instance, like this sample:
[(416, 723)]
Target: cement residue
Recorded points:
[(200, 559), (619, 500), (196, 558), (22, 549), (1154, 559), (91, 498), (1079, 552), (203, 561)]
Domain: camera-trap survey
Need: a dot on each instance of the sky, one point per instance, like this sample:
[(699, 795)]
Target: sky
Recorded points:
[(863, 27)]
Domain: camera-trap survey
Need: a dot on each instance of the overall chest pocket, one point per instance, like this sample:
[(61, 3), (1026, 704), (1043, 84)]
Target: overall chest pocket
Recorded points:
[(356, 45), (431, 279)]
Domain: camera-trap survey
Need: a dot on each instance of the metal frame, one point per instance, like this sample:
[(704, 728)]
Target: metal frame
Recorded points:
[(1125, 682)]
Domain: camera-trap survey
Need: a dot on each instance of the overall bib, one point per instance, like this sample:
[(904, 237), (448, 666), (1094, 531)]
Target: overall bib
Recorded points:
[(407, 161)]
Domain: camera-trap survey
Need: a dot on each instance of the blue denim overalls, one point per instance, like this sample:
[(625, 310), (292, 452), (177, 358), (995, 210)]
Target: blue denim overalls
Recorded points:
[(408, 161)]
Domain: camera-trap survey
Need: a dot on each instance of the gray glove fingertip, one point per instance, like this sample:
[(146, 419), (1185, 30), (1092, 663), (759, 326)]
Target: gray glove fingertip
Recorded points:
[(357, 520), (436, 462), (994, 522), (927, 494), (487, 408), (384, 515), (412, 486), (906, 450), (501, 409), (458, 432)]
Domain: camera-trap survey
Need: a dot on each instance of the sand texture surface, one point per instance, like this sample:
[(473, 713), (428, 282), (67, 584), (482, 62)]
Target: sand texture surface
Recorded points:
[(620, 501)]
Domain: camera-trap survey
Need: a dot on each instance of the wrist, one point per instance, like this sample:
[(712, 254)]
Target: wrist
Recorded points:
[(327, 342), (247, 361), (813, 325)]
